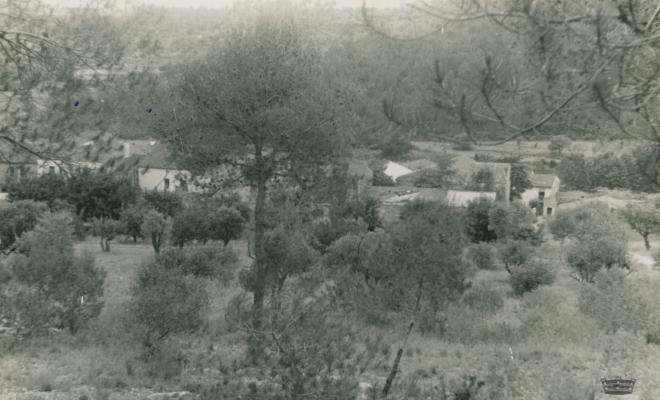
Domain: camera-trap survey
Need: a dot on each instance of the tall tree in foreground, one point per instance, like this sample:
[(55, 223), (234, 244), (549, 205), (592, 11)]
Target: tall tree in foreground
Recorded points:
[(256, 104)]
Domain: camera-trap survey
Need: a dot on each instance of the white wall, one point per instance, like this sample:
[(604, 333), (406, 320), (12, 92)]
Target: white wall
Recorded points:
[(154, 179), (529, 195)]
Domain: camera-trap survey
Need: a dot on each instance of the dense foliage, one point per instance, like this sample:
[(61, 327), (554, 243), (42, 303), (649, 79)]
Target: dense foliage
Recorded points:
[(50, 287)]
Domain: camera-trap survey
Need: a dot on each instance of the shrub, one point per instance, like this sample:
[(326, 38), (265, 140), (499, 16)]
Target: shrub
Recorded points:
[(382, 179), (157, 228), (483, 298), (615, 302), (201, 261), (21, 216), (165, 302), (513, 253), (482, 256), (477, 215), (54, 287), (45, 188), (513, 221), (396, 146), (546, 315), (364, 208), (482, 180), (166, 203), (531, 275)]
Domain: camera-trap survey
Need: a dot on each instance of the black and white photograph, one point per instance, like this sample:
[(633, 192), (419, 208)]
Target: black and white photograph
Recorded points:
[(329, 199)]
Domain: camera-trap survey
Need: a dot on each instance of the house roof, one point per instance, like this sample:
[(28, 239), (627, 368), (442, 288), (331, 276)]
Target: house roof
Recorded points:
[(394, 170), (425, 194), (159, 157), (542, 180), (461, 198)]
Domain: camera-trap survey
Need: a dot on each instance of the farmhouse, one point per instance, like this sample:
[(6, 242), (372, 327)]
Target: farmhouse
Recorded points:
[(156, 171), (465, 168), (544, 191)]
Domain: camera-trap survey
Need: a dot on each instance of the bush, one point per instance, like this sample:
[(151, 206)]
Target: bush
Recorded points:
[(53, 287), (166, 203), (165, 302), (201, 261), (327, 231), (396, 146), (482, 256), (21, 216), (546, 315), (531, 275), (615, 302), (513, 253), (45, 188), (365, 209), (483, 180), (477, 215), (382, 179), (483, 298)]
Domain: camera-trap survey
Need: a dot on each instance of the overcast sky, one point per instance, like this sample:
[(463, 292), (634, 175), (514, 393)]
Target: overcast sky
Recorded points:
[(224, 3)]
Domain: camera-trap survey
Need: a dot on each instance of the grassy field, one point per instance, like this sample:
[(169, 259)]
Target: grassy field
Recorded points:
[(561, 351)]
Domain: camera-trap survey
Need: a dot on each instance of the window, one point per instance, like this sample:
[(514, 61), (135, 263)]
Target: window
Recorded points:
[(166, 184), (549, 211), (51, 169), (11, 172), (541, 195), (184, 185)]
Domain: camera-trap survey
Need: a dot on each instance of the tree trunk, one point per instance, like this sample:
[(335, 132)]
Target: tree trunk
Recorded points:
[(646, 242), (260, 268), (395, 366)]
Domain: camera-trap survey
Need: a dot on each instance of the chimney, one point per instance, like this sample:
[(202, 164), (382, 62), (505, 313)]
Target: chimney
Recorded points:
[(127, 149)]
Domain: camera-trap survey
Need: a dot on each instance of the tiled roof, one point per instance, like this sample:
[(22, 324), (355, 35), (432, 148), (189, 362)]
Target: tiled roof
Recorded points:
[(542, 180), (461, 198)]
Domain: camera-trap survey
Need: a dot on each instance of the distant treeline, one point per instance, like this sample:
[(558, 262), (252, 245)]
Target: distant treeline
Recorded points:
[(634, 170)]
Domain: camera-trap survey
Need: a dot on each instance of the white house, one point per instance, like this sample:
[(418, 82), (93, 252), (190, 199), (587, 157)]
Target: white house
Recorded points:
[(544, 190), (156, 171)]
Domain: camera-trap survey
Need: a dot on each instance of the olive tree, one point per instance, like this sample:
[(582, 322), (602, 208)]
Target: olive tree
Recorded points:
[(643, 219)]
